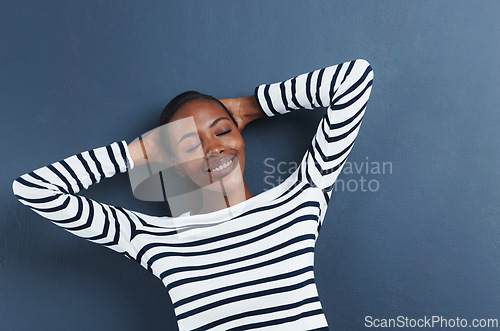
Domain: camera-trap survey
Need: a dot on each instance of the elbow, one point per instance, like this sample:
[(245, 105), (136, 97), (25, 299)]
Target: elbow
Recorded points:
[(365, 65), (16, 188), (20, 188)]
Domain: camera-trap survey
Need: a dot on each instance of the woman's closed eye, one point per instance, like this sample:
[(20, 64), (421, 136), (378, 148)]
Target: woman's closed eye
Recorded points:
[(191, 144), (192, 149), (223, 133)]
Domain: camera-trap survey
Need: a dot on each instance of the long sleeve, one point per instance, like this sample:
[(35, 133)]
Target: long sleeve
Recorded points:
[(51, 191), (344, 90)]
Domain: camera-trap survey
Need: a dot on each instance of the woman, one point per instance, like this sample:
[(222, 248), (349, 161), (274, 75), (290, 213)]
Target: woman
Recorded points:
[(242, 263), (201, 139)]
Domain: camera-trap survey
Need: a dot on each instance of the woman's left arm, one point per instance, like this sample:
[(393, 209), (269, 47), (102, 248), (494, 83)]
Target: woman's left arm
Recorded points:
[(344, 90), (244, 110)]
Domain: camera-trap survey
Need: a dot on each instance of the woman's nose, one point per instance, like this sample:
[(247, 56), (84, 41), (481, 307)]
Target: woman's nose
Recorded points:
[(213, 146)]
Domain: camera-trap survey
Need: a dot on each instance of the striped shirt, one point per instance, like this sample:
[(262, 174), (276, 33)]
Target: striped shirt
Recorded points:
[(249, 266)]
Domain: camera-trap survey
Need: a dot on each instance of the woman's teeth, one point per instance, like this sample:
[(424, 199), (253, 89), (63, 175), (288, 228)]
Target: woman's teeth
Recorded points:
[(222, 167)]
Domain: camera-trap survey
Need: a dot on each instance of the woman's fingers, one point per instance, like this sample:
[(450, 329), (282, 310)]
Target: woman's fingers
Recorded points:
[(155, 146), (233, 106)]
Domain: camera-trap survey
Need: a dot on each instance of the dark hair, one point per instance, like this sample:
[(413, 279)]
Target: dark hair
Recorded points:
[(180, 100), (183, 98)]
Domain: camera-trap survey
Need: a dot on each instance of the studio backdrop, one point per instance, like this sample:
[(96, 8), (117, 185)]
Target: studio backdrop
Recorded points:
[(412, 228)]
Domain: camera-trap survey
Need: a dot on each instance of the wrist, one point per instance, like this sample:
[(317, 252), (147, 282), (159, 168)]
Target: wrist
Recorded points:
[(136, 153), (250, 108)]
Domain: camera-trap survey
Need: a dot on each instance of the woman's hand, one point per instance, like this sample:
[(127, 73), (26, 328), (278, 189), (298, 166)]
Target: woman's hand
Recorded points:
[(244, 110), (151, 148)]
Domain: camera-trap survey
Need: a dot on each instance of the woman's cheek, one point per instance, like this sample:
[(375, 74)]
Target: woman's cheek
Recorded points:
[(236, 142), (194, 155)]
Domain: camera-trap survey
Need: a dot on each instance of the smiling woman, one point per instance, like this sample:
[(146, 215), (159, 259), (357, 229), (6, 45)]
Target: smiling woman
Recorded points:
[(200, 138), (244, 262), (211, 154)]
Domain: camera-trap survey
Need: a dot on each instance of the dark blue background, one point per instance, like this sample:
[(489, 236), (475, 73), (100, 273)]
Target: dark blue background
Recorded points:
[(76, 75)]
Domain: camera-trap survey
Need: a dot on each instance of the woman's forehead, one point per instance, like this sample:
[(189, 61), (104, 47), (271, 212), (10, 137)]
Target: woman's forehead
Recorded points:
[(200, 109), (181, 126), (196, 115)]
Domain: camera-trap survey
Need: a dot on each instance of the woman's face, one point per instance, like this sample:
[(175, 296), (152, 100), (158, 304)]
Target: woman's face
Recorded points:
[(207, 146)]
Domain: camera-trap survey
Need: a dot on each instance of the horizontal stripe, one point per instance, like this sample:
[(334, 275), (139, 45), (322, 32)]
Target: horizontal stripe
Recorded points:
[(279, 321), (257, 312), (245, 296), (242, 258), (224, 248), (242, 285), (241, 269), (232, 234)]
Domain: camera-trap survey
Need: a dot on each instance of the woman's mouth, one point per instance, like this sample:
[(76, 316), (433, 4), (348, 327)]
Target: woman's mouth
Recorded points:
[(221, 167), (222, 170)]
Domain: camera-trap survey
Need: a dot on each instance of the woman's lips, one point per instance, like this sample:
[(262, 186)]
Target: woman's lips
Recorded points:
[(222, 167)]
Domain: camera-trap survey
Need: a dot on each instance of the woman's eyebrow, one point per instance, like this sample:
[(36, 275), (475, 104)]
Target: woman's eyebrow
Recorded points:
[(195, 133), (217, 120), (187, 135)]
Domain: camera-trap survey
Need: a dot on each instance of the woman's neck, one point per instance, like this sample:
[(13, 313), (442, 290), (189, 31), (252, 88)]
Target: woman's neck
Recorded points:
[(217, 200)]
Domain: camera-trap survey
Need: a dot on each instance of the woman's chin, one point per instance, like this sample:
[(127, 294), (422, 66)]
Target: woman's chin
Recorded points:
[(228, 184)]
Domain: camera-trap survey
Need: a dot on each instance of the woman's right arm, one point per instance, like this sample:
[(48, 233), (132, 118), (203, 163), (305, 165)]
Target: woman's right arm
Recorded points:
[(52, 192)]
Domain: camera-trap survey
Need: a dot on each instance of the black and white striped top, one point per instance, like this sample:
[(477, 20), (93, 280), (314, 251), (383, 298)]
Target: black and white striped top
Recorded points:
[(249, 266)]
